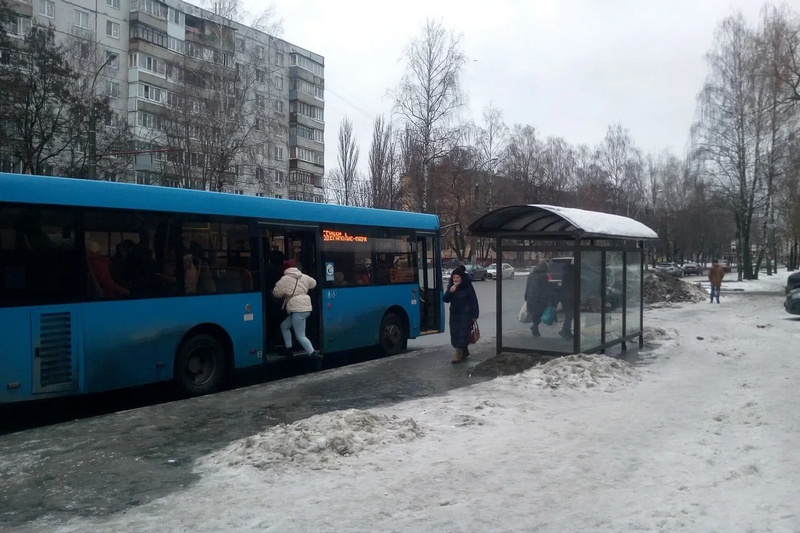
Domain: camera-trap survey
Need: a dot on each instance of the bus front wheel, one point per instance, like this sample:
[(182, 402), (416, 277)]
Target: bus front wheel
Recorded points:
[(393, 334), (200, 365)]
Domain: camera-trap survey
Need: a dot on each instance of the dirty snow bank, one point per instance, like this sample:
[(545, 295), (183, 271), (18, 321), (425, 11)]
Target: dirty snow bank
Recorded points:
[(579, 371), (319, 441)]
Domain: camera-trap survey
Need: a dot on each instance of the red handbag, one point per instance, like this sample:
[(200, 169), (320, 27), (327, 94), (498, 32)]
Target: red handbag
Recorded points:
[(474, 333)]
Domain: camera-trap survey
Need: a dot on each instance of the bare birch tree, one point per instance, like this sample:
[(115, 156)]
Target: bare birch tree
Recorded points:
[(492, 137), (429, 98), (383, 165), (522, 162), (343, 180), (726, 136)]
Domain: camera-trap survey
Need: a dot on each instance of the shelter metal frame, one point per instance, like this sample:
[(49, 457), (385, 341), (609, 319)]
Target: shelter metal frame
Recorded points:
[(558, 229)]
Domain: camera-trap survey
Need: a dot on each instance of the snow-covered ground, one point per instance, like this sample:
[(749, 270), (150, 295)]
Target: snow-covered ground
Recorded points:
[(703, 436)]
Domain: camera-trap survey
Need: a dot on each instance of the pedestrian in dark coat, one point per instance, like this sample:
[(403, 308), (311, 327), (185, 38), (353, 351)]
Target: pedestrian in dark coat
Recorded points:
[(537, 295), (460, 294)]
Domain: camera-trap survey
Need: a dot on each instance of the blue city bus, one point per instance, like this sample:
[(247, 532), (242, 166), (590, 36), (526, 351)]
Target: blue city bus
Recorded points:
[(112, 285)]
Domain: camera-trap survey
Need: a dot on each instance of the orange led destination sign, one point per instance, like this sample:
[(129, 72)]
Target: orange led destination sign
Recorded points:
[(341, 236)]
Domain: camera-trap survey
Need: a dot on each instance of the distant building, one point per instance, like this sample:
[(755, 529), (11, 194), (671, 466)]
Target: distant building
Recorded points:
[(183, 76)]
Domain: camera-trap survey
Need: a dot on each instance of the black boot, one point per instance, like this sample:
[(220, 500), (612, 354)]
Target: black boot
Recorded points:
[(535, 330)]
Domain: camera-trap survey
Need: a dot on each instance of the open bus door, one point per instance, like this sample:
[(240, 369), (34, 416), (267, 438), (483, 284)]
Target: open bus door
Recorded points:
[(281, 242), (430, 281)]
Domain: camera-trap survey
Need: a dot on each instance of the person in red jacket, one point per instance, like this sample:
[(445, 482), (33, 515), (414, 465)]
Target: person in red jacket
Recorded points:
[(715, 275)]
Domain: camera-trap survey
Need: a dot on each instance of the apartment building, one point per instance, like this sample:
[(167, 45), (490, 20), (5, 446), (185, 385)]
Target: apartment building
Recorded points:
[(212, 103)]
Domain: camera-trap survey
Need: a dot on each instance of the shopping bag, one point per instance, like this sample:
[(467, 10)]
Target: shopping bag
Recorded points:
[(474, 333), (549, 315), (524, 316)]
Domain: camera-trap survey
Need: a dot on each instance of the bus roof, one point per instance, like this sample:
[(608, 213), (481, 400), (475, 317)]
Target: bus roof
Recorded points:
[(23, 188)]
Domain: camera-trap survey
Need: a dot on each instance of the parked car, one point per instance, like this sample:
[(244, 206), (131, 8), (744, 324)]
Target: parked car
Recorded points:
[(508, 271), (792, 302), (477, 272), (669, 268), (726, 267), (793, 282), (690, 267)]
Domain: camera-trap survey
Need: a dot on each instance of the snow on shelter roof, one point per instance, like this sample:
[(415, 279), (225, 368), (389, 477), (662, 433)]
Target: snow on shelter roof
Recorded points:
[(550, 221)]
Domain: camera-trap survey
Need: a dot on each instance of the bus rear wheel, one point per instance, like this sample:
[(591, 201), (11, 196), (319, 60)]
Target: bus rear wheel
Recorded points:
[(393, 334), (200, 365)]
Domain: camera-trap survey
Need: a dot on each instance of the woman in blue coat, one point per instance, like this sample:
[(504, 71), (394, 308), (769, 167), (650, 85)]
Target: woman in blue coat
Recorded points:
[(464, 311)]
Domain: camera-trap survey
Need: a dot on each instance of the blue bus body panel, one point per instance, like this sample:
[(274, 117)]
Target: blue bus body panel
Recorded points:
[(352, 315), (119, 344), (101, 194)]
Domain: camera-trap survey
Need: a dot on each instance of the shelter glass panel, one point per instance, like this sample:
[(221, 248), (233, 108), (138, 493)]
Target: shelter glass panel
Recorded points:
[(633, 292), (591, 300), (531, 293), (614, 294)]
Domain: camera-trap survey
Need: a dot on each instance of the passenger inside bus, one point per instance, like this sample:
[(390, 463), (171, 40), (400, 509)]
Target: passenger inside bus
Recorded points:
[(200, 258), (102, 273)]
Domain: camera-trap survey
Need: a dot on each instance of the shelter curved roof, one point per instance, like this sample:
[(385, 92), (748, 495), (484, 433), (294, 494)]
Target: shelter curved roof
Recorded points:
[(554, 222)]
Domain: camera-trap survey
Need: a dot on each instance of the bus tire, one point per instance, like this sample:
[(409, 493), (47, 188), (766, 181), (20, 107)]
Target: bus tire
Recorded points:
[(200, 365), (393, 334)]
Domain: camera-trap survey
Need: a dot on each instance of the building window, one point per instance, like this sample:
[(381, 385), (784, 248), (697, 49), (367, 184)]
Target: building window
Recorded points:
[(113, 63), (278, 153), (260, 76), (112, 29), (154, 94), (84, 51), (307, 64), (260, 173), (112, 89), (176, 45), (238, 191), (277, 105), (47, 8), (113, 3), (177, 17), (308, 110), (18, 26), (310, 156), (278, 82), (280, 177), (241, 45), (279, 59), (81, 19)]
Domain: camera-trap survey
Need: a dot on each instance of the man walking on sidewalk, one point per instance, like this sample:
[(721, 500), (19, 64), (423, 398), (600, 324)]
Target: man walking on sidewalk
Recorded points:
[(715, 275)]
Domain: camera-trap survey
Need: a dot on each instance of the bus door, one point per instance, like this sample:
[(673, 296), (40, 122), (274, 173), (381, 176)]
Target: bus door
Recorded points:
[(430, 284), (279, 243)]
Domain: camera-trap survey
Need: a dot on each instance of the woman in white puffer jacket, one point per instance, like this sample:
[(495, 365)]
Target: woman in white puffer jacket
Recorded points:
[(293, 287)]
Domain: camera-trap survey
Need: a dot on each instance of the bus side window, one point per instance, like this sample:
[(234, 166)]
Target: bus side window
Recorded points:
[(40, 262)]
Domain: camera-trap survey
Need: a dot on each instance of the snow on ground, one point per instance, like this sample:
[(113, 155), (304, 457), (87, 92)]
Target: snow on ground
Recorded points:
[(701, 438)]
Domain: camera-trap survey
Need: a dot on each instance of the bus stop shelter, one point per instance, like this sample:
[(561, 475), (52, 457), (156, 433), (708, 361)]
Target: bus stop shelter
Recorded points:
[(603, 283)]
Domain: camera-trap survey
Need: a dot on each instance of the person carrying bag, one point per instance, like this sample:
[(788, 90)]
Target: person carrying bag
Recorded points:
[(293, 287), (460, 294)]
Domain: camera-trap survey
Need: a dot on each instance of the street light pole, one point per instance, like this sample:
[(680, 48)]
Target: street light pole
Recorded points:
[(92, 141)]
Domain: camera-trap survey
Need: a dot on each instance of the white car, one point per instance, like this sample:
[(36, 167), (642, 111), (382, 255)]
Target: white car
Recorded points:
[(508, 271)]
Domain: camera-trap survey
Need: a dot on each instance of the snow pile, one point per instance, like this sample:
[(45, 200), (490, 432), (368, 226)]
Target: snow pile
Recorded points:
[(505, 364), (318, 441), (660, 287), (657, 335), (581, 371)]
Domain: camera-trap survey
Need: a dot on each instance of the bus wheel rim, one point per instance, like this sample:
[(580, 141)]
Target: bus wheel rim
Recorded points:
[(200, 365)]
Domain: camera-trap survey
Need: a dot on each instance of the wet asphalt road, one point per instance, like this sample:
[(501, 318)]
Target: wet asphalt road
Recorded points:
[(109, 462)]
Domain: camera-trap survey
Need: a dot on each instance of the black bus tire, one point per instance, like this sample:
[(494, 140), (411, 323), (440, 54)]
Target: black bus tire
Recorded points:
[(200, 365), (392, 335)]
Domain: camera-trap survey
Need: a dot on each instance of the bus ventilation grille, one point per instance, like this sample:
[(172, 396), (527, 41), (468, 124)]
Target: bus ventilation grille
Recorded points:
[(55, 349)]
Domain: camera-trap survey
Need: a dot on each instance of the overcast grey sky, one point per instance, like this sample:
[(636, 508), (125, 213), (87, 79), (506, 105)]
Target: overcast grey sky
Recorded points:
[(569, 68)]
